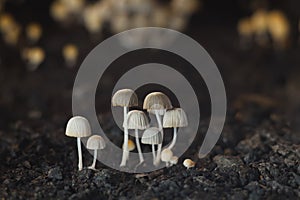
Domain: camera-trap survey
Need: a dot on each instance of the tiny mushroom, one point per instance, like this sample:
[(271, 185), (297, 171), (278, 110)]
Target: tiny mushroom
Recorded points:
[(59, 11), (260, 24), (131, 146), (34, 56), (34, 32), (157, 103), (137, 120), (70, 54), (125, 98), (174, 119), (166, 156), (78, 127), (95, 142), (245, 30), (174, 160), (153, 137), (279, 28), (188, 163)]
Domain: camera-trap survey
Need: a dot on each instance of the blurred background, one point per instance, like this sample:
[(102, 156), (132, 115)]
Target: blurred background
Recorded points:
[(255, 44)]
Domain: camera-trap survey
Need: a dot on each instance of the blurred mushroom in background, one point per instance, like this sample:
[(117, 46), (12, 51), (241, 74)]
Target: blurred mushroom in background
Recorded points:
[(33, 57), (245, 31), (259, 21), (34, 32), (9, 29), (70, 54)]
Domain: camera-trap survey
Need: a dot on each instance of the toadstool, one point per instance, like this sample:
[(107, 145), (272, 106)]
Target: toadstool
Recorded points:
[(34, 56), (157, 103), (174, 160), (70, 54), (279, 28), (188, 163), (78, 127), (153, 137), (34, 32), (166, 156), (174, 119), (137, 120), (95, 142), (125, 98)]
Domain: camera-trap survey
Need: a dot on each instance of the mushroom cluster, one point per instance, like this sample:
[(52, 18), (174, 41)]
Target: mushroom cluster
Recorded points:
[(263, 24), (158, 104), (79, 127), (120, 15)]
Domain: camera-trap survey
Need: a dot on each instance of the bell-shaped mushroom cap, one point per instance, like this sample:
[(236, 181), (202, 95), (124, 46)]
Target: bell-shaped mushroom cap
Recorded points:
[(152, 135), (124, 97), (175, 118), (166, 155), (136, 119), (157, 101), (95, 142), (78, 127), (131, 145)]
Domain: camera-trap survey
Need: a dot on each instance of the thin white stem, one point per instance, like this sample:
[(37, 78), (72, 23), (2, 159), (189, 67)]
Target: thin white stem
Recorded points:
[(158, 118), (138, 146), (174, 138), (93, 166), (79, 154), (153, 153), (125, 154)]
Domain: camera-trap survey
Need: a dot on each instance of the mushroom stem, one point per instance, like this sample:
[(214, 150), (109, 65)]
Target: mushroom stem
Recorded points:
[(174, 139), (125, 155), (138, 146), (79, 154), (93, 166), (157, 159), (153, 153)]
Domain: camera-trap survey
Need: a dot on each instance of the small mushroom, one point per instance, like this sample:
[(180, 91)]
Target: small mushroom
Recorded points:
[(70, 54), (185, 7), (59, 11), (131, 146), (10, 29), (174, 160), (166, 156), (188, 163), (259, 23), (78, 127), (153, 137), (34, 32), (125, 98), (157, 103), (74, 6), (245, 30), (137, 120), (279, 29), (95, 142), (34, 56), (174, 119), (93, 19)]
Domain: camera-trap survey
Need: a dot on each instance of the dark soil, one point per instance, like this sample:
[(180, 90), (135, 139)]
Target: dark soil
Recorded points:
[(257, 156)]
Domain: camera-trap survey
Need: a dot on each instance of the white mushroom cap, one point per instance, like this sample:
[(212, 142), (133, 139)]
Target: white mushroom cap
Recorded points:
[(157, 101), (78, 127), (166, 155), (188, 163), (95, 142), (174, 160), (136, 120), (152, 135), (175, 118), (124, 97)]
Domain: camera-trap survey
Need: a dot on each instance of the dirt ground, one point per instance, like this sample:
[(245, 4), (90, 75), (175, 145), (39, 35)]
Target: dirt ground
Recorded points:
[(257, 156)]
